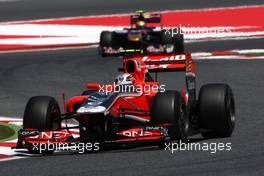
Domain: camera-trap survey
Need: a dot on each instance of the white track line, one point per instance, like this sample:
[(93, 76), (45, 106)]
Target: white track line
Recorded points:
[(249, 51)]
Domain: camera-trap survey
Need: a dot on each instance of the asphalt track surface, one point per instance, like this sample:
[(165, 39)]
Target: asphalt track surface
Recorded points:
[(23, 75)]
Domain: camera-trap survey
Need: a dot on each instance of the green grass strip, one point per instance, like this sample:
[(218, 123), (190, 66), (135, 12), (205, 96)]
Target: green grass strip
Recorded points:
[(8, 131)]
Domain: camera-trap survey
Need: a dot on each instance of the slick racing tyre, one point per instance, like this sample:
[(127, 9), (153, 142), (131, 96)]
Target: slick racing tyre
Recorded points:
[(166, 37), (106, 39), (175, 39), (216, 108), (178, 41), (169, 108), (41, 113)]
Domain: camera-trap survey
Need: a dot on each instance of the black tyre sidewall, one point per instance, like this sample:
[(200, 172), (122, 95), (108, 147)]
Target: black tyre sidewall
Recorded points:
[(215, 110), (40, 113), (169, 108), (166, 38), (175, 39), (106, 39), (178, 43)]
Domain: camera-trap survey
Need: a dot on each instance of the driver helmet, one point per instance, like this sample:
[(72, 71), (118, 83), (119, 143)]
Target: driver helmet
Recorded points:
[(141, 23), (124, 79)]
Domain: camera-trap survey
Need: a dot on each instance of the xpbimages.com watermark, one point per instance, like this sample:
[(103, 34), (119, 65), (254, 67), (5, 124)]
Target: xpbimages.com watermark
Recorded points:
[(131, 88), (171, 31), (75, 147), (212, 147)]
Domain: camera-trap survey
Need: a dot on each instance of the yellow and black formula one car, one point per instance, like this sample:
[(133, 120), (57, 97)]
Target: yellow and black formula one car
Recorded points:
[(142, 35)]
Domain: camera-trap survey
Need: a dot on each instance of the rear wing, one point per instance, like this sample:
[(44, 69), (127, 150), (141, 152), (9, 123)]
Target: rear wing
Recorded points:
[(160, 63), (170, 63), (149, 18), (140, 64), (174, 63)]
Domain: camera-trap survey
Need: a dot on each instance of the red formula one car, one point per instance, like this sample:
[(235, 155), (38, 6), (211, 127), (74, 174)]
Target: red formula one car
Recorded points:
[(135, 108)]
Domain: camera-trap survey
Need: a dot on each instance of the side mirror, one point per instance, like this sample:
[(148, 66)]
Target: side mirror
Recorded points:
[(94, 86)]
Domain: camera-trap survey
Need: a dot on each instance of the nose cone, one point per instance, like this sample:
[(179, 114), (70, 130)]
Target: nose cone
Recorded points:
[(91, 109)]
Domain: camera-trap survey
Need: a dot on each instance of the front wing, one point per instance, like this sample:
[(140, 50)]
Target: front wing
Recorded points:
[(30, 138)]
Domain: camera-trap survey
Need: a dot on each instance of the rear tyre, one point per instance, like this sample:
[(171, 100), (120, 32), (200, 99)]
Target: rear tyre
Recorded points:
[(106, 39), (178, 43), (166, 37), (169, 108), (42, 113), (216, 110), (176, 40)]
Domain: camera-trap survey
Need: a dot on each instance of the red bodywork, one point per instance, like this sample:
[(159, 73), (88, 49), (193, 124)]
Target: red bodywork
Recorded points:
[(136, 107)]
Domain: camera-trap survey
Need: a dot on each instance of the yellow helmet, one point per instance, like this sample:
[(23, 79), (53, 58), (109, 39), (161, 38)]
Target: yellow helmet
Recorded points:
[(141, 23)]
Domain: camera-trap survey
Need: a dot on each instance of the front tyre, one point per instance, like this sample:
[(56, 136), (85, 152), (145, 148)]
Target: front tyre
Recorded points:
[(169, 108), (42, 113)]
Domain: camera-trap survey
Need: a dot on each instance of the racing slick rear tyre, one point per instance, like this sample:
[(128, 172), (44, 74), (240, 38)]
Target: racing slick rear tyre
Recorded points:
[(40, 113), (166, 37), (216, 108), (176, 39), (106, 38), (169, 108)]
